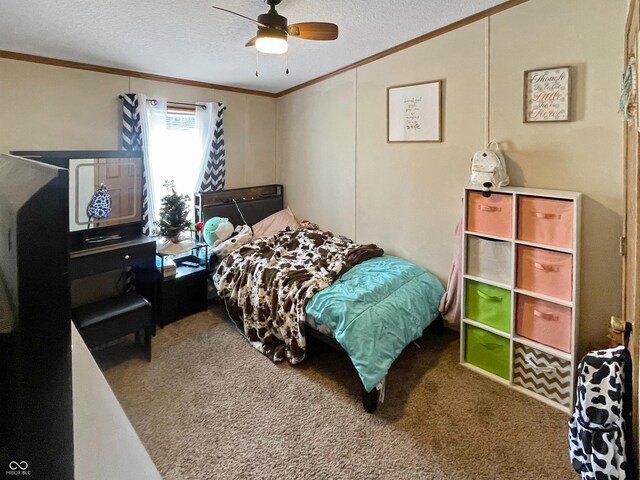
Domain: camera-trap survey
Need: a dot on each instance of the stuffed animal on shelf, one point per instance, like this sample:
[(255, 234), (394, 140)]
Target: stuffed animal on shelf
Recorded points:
[(216, 230)]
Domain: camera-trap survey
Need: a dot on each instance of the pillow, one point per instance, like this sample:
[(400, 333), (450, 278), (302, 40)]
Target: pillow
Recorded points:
[(223, 249), (275, 223)]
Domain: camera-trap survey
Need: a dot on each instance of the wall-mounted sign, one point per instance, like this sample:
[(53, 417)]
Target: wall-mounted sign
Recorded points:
[(547, 96)]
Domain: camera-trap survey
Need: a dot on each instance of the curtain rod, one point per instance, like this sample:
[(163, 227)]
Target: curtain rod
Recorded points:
[(154, 102)]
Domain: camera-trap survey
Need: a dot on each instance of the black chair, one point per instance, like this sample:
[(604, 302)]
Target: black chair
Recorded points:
[(112, 318)]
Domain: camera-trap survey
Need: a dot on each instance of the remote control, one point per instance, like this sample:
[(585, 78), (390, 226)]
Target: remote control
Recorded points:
[(191, 264)]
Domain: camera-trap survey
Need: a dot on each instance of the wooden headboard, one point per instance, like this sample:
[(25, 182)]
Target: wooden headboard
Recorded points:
[(255, 203)]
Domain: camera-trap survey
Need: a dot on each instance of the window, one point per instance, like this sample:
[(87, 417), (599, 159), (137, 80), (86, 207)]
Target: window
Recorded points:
[(177, 154)]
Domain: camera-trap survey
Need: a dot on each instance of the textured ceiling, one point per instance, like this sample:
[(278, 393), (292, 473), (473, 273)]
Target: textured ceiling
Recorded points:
[(189, 39)]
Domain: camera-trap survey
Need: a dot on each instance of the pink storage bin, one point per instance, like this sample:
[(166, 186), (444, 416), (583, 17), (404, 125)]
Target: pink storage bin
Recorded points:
[(546, 272), (492, 215), (544, 322), (545, 220)]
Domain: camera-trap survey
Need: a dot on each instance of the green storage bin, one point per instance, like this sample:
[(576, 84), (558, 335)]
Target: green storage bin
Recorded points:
[(489, 305), (488, 351)]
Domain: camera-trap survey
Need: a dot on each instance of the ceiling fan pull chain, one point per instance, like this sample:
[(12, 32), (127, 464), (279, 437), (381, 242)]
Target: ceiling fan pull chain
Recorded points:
[(287, 58), (257, 64)]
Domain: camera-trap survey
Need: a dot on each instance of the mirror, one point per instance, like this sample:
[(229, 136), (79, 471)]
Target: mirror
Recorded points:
[(118, 181)]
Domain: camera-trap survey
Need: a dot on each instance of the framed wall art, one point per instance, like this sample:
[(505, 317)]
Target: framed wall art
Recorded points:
[(414, 112), (547, 95)]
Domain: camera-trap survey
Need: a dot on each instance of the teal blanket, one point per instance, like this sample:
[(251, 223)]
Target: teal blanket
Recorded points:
[(375, 310)]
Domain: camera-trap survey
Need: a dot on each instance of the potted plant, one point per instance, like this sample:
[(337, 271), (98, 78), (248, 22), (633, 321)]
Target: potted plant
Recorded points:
[(173, 214)]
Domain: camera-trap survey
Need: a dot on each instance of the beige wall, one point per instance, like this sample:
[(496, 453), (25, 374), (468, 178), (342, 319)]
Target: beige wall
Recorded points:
[(316, 150), (54, 108), (408, 196)]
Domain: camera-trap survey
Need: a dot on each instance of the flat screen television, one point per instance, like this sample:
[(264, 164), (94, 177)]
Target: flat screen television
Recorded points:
[(94, 178), (36, 404)]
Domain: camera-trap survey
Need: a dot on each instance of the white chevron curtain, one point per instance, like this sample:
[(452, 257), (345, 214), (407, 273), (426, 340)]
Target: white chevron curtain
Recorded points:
[(132, 140), (212, 171)]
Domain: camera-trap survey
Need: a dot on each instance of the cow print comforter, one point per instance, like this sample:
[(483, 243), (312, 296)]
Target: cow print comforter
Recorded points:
[(268, 283)]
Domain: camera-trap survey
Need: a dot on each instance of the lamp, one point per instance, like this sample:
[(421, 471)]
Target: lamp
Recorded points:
[(271, 41)]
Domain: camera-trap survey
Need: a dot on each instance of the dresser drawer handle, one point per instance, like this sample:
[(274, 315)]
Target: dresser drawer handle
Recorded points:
[(126, 257), (546, 369), (545, 316), (547, 216), (489, 298), (487, 208), (546, 268)]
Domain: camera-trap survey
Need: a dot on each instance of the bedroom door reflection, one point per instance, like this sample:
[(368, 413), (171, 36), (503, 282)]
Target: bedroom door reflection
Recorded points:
[(120, 177)]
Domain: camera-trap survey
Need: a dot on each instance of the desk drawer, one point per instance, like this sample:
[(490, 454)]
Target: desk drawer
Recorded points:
[(108, 259)]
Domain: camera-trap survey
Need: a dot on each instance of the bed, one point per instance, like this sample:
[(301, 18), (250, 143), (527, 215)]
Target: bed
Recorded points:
[(304, 281)]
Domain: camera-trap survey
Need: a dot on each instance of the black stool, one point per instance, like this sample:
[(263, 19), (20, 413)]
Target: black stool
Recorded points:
[(115, 317)]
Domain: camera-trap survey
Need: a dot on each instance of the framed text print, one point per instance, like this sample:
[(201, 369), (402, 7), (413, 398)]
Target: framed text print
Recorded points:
[(547, 95), (414, 112)]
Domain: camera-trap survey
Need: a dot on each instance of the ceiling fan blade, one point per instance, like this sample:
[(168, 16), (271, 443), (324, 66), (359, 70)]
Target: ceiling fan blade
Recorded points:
[(314, 30), (239, 15), (251, 42)]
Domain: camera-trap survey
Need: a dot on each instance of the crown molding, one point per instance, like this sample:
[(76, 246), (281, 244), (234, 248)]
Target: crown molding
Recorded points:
[(410, 43), (126, 73)]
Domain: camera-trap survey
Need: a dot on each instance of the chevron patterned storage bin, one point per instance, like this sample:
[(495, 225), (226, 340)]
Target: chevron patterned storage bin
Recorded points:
[(542, 373)]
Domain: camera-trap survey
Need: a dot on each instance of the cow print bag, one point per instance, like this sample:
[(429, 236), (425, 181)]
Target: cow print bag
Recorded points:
[(600, 429), (100, 204)]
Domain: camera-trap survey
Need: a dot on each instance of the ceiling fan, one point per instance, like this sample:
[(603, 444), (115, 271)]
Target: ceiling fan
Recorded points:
[(273, 30)]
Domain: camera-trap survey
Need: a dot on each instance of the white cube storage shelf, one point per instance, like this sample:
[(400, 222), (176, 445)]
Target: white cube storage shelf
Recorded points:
[(520, 287)]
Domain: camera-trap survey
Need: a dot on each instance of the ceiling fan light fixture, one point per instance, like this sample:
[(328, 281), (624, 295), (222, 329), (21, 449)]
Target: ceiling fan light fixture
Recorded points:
[(274, 30), (272, 42)]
